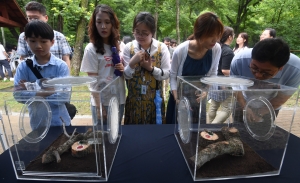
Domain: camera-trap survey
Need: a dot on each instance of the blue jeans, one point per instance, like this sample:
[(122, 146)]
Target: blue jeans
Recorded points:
[(5, 63)]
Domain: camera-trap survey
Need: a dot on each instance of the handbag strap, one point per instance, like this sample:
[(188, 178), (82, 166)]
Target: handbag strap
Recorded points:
[(37, 74)]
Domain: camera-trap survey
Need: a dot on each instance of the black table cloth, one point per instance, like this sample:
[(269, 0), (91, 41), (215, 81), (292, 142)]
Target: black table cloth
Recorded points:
[(150, 153)]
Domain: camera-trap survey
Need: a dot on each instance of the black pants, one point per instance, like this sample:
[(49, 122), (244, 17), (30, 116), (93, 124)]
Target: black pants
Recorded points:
[(171, 112)]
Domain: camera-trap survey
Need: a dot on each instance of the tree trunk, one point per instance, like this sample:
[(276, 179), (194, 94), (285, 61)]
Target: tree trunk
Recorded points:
[(3, 37), (14, 33), (78, 48), (156, 18), (177, 21), (60, 23), (280, 11), (241, 14)]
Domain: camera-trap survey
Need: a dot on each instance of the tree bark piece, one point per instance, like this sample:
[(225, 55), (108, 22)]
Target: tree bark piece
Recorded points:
[(50, 156), (57, 156), (81, 148), (233, 146)]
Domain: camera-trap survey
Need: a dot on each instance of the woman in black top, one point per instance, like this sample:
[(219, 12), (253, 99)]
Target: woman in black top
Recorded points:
[(227, 53)]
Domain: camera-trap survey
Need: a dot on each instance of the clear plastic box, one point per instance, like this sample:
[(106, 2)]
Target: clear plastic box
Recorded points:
[(227, 127), (87, 147)]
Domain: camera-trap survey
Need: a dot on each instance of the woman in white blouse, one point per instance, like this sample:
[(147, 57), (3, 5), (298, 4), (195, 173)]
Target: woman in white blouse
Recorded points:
[(241, 43)]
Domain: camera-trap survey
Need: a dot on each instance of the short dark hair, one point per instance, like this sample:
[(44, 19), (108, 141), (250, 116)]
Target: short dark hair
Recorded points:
[(127, 39), (207, 24), (39, 28), (228, 31), (272, 32), (36, 6), (167, 39), (147, 19), (273, 50)]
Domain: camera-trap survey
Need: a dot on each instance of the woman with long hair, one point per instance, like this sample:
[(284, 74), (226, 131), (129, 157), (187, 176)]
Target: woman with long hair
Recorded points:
[(227, 53), (241, 42), (103, 30)]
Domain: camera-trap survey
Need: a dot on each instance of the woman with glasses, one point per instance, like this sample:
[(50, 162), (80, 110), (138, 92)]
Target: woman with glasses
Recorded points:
[(199, 55), (147, 63), (241, 42), (103, 30)]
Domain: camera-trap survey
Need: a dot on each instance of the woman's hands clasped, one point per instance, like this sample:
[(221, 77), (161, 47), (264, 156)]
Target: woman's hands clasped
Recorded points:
[(143, 58)]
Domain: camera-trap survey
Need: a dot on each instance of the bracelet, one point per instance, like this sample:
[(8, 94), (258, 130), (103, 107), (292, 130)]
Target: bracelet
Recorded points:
[(152, 70)]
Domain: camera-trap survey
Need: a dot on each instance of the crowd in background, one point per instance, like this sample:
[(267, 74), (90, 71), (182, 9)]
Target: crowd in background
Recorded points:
[(149, 66)]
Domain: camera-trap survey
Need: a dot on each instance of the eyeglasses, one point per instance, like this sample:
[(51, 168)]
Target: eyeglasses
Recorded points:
[(263, 74), (32, 18), (35, 17), (142, 34)]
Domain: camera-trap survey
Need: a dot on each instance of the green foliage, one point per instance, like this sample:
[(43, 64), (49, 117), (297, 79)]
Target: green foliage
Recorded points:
[(283, 15), (71, 11), (9, 39)]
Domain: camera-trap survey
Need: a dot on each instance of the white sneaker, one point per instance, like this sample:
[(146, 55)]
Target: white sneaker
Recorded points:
[(11, 79), (4, 79)]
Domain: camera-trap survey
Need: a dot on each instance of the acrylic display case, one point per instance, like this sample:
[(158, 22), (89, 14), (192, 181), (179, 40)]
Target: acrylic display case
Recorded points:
[(233, 127), (41, 148)]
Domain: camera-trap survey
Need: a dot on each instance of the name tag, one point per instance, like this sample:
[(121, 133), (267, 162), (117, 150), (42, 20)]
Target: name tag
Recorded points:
[(143, 89)]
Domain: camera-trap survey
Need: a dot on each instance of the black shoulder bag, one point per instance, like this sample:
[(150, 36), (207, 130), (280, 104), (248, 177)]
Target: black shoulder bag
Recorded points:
[(70, 107)]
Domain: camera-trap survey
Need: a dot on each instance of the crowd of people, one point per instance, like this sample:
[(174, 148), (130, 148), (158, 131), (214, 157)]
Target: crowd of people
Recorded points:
[(149, 66)]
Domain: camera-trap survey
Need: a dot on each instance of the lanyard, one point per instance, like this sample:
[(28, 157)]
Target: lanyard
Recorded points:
[(140, 47)]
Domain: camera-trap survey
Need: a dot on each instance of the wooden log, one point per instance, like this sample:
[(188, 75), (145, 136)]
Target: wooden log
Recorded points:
[(207, 137), (81, 148), (50, 156), (57, 156), (230, 133), (233, 146)]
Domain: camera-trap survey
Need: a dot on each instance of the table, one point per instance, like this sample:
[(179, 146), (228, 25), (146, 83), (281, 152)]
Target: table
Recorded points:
[(150, 153)]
